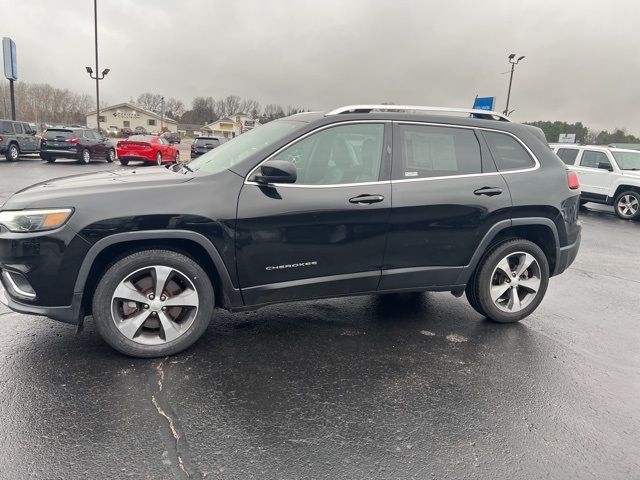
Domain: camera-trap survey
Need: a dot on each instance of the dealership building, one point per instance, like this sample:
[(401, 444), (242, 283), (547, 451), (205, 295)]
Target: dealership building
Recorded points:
[(130, 116)]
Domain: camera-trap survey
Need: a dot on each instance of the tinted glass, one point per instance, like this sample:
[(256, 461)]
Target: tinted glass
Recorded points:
[(568, 155), (18, 128), (591, 158), (140, 138), (206, 141), (429, 151), (26, 128), (54, 133), (508, 153), (338, 155)]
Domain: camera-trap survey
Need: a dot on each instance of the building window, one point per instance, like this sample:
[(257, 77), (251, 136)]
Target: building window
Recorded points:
[(126, 123), (151, 122), (103, 118)]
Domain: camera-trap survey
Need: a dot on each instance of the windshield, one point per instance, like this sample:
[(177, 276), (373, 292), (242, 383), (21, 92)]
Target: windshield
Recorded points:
[(627, 160), (234, 151)]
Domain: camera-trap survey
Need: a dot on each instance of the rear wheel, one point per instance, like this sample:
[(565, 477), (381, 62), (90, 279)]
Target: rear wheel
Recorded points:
[(85, 156), (153, 303), (124, 161), (510, 281), (627, 205), (13, 153), (49, 159), (158, 158), (111, 155)]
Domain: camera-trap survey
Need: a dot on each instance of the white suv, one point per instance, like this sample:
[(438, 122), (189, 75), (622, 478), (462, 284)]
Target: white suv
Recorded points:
[(607, 175)]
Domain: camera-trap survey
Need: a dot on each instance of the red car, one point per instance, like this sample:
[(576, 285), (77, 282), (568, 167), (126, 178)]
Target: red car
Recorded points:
[(147, 148)]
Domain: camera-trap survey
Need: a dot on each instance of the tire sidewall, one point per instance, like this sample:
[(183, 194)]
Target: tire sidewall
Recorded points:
[(13, 153), (124, 162), (85, 156), (111, 155), (485, 273), (129, 264), (158, 159), (619, 197)]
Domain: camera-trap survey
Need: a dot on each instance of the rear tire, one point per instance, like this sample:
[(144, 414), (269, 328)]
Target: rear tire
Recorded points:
[(627, 205), (48, 158), (85, 156), (13, 153), (510, 281), (111, 155), (166, 325), (124, 162)]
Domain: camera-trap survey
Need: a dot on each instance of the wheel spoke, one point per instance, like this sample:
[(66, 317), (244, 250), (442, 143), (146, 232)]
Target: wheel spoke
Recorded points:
[(160, 277), (514, 300), (504, 267), (498, 290), (127, 291), (187, 298), (525, 262), (130, 326), (531, 284), (171, 328)]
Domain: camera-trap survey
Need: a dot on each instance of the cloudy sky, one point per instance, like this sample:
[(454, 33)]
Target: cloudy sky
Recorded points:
[(582, 56)]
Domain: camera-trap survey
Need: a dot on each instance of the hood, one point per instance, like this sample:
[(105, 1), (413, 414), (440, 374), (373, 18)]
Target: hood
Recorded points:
[(632, 173), (59, 191)]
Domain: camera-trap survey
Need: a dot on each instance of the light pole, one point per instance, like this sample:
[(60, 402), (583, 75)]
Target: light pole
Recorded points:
[(513, 66), (97, 76), (162, 116)]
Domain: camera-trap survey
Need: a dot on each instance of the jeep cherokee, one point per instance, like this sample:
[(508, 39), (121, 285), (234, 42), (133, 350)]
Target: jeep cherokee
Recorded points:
[(360, 200)]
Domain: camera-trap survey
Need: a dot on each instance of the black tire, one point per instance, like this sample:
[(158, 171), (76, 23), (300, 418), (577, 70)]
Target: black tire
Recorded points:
[(627, 205), (158, 159), (123, 268), (483, 279), (124, 162), (50, 159), (111, 155), (13, 153), (84, 156)]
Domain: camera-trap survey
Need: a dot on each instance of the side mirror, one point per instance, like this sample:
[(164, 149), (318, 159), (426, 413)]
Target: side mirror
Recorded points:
[(605, 166), (276, 171)]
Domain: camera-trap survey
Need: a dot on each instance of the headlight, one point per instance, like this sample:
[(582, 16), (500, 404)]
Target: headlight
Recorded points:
[(34, 220)]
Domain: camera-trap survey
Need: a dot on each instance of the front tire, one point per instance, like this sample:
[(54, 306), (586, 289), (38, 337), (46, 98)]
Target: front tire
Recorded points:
[(49, 159), (158, 159), (13, 153), (510, 281), (153, 303), (627, 205)]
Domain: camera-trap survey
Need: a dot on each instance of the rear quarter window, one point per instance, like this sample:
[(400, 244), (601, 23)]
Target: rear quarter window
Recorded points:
[(6, 127), (508, 153)]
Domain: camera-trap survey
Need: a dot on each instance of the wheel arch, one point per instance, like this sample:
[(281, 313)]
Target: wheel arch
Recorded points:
[(192, 244), (624, 187)]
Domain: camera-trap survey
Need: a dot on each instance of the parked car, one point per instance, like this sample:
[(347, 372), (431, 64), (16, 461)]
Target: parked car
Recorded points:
[(112, 131), (82, 144), (172, 137), (17, 138), (140, 131), (610, 176), (202, 145), (126, 132), (147, 148), (359, 200)]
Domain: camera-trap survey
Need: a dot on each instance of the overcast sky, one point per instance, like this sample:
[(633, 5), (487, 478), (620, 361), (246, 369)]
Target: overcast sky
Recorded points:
[(582, 56)]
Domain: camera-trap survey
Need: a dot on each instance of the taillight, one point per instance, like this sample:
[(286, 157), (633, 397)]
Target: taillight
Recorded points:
[(193, 146), (72, 140), (1, 138), (573, 180)]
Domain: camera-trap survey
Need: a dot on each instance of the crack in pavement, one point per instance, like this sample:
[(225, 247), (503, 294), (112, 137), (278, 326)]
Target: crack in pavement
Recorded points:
[(173, 428)]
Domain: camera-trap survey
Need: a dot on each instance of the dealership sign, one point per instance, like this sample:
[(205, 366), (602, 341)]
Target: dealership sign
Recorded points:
[(484, 103), (126, 114), (567, 138), (10, 58)]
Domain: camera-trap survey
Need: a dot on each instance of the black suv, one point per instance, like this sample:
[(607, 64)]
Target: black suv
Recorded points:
[(202, 145), (17, 138), (356, 201), (82, 144)]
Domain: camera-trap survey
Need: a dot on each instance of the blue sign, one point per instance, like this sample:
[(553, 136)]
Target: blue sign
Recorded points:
[(10, 58), (484, 103)]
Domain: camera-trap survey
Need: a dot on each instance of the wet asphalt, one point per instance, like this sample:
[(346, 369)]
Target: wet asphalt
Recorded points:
[(382, 387)]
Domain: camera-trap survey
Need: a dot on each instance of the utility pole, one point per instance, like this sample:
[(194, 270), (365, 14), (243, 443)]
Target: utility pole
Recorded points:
[(97, 76), (162, 116), (513, 66)]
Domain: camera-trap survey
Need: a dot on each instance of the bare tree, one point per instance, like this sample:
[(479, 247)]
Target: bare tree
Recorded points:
[(174, 108), (150, 101)]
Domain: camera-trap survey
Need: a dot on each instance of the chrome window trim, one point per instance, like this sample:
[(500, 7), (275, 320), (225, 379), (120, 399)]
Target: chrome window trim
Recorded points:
[(293, 142), (7, 276)]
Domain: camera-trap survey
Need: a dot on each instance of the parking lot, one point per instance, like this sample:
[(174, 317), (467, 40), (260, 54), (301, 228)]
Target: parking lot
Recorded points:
[(398, 386)]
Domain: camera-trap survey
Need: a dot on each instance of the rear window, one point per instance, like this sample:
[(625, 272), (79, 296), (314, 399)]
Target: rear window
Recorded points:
[(6, 127), (508, 153), (140, 138), (568, 155), (54, 133), (206, 141)]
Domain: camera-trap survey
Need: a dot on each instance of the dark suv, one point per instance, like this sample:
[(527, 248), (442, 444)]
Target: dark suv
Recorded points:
[(356, 201), (202, 145), (17, 138), (82, 144)]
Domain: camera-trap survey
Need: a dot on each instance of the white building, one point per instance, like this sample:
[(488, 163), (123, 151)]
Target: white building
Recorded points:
[(232, 126), (131, 116)]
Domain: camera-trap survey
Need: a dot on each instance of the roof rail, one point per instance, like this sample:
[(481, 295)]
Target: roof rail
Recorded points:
[(484, 114)]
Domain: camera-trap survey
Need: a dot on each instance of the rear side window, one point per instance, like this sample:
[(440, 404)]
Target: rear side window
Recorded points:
[(429, 151), (54, 133), (508, 153), (591, 158), (18, 128), (568, 155), (6, 127)]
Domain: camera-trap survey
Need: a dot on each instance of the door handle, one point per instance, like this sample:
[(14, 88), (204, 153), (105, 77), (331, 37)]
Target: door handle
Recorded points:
[(488, 191), (366, 199)]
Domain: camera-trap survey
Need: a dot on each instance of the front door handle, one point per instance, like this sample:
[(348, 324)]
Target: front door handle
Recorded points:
[(488, 191), (366, 199)]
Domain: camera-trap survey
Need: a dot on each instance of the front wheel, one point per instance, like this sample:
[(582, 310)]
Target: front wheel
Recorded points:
[(124, 162), (153, 303), (627, 205), (158, 159), (13, 153), (510, 282), (177, 157), (49, 159)]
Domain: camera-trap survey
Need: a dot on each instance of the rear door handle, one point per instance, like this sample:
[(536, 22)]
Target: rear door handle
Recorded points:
[(488, 191), (366, 199)]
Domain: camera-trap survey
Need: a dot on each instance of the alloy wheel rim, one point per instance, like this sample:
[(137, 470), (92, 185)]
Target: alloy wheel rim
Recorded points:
[(515, 282), (14, 152), (628, 205), (159, 159), (86, 156), (112, 155), (154, 305)]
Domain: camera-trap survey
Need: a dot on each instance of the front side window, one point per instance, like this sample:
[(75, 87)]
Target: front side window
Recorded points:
[(592, 159), (508, 153), (338, 155), (568, 155)]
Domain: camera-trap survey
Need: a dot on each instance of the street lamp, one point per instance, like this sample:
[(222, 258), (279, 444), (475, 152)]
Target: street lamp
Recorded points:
[(513, 66), (97, 77)]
